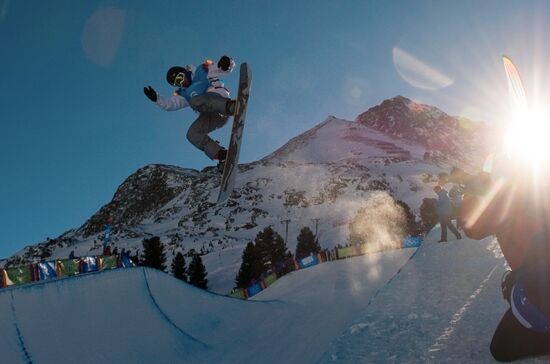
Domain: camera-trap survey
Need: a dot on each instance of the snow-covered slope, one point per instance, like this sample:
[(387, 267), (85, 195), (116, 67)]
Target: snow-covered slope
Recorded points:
[(442, 307), (327, 173), (440, 304), (139, 315)]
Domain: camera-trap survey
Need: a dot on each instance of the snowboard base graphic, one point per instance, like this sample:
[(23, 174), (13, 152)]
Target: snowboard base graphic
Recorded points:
[(231, 166)]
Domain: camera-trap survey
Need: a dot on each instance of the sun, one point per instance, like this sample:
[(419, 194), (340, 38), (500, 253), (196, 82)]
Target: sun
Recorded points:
[(527, 137)]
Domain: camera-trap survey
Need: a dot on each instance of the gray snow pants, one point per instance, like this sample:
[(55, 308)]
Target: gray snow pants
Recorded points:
[(212, 116)]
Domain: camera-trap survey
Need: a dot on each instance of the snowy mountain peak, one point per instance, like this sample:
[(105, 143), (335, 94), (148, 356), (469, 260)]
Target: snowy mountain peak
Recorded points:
[(415, 107), (297, 147), (402, 104), (423, 124)]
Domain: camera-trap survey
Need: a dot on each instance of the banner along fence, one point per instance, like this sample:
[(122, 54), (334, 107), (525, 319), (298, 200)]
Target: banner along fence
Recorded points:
[(268, 278), (44, 271)]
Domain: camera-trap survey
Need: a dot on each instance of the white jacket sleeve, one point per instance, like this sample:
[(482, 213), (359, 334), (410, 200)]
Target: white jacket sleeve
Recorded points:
[(214, 72), (175, 102)]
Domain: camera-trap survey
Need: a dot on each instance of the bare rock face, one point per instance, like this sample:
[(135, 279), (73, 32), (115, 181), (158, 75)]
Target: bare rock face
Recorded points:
[(423, 124), (140, 196)]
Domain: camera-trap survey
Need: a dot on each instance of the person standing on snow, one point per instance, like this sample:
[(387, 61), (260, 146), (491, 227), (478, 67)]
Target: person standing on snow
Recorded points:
[(455, 195), (444, 211), (460, 179), (201, 89)]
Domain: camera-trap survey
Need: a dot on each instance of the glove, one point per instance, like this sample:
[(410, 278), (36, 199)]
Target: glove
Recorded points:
[(150, 93), (224, 63)]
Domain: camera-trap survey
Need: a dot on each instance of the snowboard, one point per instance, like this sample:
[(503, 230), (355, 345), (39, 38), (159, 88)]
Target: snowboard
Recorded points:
[(231, 166)]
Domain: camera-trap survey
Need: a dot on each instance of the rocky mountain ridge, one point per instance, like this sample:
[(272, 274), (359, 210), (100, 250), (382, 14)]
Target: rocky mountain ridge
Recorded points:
[(424, 124), (327, 173)]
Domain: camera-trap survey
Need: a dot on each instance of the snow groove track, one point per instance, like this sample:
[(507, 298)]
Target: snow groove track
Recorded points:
[(141, 315), (12, 347), (167, 318), (26, 355), (392, 278), (136, 315), (106, 317)]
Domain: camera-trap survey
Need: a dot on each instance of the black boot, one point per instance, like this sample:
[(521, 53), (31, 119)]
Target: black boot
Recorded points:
[(221, 156), (230, 107)]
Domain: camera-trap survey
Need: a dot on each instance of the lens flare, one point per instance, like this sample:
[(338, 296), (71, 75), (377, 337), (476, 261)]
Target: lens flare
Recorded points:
[(484, 203), (417, 73), (4, 5), (515, 86), (102, 35), (356, 92), (488, 163)]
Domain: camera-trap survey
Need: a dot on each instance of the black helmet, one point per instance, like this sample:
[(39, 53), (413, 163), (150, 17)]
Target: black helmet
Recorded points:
[(178, 76)]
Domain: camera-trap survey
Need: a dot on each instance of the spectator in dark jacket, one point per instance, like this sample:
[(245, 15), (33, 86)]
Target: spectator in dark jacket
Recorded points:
[(444, 213), (455, 195)]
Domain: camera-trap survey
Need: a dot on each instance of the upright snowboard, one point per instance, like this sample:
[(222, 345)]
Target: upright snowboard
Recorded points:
[(232, 160)]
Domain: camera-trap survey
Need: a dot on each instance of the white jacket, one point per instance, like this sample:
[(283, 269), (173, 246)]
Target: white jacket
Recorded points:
[(177, 102)]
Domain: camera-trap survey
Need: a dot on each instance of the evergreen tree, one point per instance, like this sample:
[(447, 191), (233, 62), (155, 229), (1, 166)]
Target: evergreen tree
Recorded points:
[(307, 244), (178, 267), (251, 267), (153, 254), (271, 247), (135, 258), (197, 273)]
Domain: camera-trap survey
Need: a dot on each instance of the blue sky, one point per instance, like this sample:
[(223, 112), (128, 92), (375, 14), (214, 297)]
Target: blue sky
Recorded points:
[(75, 122)]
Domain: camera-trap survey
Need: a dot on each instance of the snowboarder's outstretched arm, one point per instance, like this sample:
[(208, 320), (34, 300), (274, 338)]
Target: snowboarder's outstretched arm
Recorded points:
[(175, 102)]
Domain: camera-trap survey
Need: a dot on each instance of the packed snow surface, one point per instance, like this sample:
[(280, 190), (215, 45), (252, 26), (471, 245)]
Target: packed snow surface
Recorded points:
[(439, 303)]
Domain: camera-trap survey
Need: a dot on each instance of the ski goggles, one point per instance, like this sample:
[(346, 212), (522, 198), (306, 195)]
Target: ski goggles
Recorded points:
[(180, 80)]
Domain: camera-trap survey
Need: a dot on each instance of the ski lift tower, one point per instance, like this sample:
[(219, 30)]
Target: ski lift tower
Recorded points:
[(285, 222)]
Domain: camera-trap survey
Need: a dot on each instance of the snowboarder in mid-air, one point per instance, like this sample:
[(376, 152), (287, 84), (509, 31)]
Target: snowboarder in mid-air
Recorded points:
[(201, 89)]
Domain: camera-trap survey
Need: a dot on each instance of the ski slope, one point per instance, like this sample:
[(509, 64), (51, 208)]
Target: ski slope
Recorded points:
[(439, 303), (140, 315), (442, 307)]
